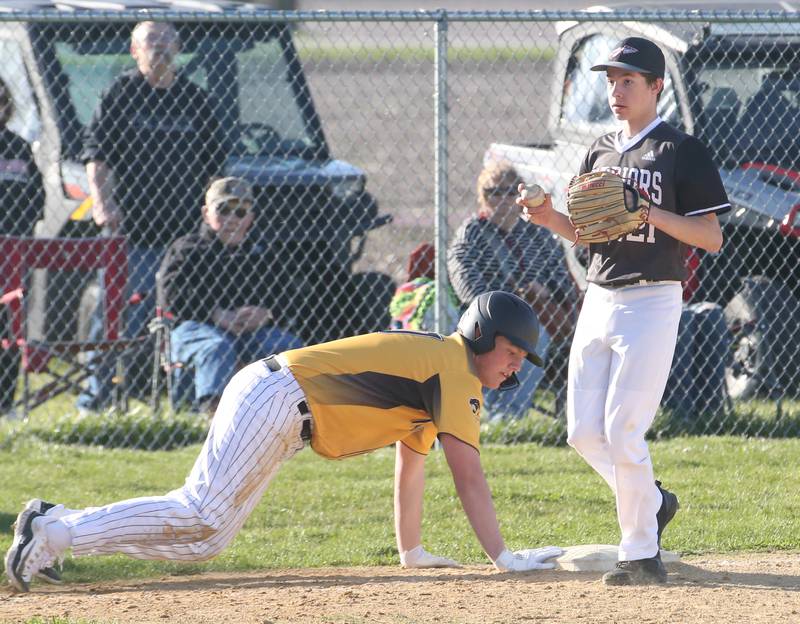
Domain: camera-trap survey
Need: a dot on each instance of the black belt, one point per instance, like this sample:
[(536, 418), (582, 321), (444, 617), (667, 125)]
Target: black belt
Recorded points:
[(272, 363), (633, 282), (305, 432)]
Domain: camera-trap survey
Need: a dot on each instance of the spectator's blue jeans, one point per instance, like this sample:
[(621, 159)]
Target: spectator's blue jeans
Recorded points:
[(512, 404), (213, 353), (142, 266)]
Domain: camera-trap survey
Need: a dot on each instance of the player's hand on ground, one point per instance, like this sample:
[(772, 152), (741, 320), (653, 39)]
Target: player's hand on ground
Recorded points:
[(528, 559), (420, 558)]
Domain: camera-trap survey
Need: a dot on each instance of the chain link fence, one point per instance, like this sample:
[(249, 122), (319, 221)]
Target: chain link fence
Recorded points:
[(364, 137)]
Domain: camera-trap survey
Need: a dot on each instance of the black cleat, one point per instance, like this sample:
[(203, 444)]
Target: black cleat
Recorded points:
[(22, 548), (638, 572), (49, 574), (667, 511)]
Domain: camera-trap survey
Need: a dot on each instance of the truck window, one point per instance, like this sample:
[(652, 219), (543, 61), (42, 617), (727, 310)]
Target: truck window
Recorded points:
[(26, 120), (249, 80), (750, 112), (265, 84), (584, 92), (88, 75)]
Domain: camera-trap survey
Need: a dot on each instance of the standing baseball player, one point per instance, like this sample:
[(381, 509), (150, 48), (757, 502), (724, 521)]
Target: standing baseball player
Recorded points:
[(346, 397), (625, 337)]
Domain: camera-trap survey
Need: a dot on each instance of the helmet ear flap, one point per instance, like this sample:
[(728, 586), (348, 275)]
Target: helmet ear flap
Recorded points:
[(510, 383)]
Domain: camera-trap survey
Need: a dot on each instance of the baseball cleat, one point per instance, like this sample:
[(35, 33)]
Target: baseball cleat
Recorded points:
[(667, 511), (50, 574), (29, 552), (638, 572)]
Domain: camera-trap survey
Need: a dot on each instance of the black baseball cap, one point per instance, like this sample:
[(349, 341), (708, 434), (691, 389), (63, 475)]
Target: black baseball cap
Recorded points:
[(635, 54)]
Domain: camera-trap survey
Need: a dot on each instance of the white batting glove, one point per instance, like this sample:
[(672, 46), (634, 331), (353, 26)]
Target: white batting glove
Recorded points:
[(529, 559), (420, 558)]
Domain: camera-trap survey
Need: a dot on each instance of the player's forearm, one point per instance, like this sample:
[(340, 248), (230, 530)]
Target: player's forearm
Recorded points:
[(701, 231), (409, 486), (479, 508), (559, 224), (473, 490)]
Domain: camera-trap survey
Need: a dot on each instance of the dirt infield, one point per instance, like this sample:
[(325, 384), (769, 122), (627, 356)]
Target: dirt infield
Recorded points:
[(720, 589)]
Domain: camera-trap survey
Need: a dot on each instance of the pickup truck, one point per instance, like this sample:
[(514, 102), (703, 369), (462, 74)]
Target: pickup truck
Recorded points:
[(736, 87)]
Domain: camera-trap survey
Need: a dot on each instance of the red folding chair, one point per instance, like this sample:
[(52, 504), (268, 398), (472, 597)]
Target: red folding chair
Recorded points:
[(20, 256)]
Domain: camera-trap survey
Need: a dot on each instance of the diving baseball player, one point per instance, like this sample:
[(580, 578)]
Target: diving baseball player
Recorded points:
[(625, 337), (345, 397)]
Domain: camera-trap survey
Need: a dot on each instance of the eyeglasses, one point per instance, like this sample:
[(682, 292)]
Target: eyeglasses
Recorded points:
[(497, 192), (226, 210)]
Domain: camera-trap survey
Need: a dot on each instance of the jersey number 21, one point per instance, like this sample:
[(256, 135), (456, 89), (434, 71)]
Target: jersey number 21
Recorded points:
[(639, 236)]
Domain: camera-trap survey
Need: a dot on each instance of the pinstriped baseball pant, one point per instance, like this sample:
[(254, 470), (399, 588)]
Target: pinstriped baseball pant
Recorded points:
[(255, 429), (619, 364)]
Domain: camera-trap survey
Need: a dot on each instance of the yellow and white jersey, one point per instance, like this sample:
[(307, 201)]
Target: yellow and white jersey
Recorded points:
[(367, 392)]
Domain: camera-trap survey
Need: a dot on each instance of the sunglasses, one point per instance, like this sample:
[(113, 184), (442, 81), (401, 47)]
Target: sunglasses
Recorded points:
[(226, 210), (500, 191)]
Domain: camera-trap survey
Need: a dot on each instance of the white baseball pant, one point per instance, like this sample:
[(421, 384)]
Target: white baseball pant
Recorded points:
[(619, 364), (255, 429)]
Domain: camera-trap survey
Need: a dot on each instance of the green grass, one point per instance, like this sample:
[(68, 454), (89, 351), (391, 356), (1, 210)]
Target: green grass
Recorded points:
[(58, 421), (737, 495)]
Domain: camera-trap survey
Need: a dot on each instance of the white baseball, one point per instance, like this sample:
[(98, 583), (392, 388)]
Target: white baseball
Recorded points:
[(533, 195)]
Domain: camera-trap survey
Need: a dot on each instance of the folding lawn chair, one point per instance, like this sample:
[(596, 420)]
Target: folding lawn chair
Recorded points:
[(177, 379), (18, 257)]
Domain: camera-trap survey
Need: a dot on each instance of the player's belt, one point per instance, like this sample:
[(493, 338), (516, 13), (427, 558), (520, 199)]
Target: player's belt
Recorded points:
[(637, 282), (305, 431)]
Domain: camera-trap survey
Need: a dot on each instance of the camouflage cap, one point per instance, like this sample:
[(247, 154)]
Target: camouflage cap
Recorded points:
[(227, 189)]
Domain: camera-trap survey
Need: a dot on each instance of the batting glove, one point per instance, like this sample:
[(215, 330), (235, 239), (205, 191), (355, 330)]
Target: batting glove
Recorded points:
[(529, 559), (419, 558)]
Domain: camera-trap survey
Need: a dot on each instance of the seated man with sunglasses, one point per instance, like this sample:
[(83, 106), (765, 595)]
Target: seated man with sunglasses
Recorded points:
[(220, 289), (496, 250)]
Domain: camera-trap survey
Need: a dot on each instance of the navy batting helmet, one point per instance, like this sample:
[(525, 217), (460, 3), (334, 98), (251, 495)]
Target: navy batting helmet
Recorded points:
[(498, 312)]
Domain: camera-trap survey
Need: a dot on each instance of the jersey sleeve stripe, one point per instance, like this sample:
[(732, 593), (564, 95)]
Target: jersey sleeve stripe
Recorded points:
[(718, 208)]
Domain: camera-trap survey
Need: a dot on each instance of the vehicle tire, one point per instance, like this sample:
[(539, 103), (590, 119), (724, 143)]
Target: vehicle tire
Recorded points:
[(762, 318)]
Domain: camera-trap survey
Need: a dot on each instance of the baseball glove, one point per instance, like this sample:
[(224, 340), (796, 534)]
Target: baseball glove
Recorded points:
[(604, 207)]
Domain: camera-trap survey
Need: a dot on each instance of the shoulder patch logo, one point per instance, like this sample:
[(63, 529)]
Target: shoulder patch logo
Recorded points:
[(475, 404), (626, 49)]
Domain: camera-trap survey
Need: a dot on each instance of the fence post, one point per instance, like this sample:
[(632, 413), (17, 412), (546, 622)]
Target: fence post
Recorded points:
[(441, 162)]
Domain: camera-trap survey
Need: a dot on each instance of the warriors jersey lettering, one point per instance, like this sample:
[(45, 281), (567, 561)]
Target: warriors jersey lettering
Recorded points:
[(369, 391), (678, 173)]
